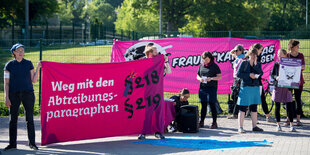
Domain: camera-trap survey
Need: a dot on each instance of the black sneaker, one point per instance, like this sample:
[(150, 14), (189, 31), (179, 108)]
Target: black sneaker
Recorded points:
[(33, 146), (141, 137), (10, 147), (258, 129), (159, 135)]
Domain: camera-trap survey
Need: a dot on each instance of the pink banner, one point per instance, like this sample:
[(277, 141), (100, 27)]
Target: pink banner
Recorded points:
[(85, 101), (185, 57)]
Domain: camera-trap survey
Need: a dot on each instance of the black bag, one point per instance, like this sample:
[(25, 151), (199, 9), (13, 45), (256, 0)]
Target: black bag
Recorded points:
[(217, 106), (231, 106)]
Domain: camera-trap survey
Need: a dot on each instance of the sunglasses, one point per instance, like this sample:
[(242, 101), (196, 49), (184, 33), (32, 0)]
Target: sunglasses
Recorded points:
[(186, 96)]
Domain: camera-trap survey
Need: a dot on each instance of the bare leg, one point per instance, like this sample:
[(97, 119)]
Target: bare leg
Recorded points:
[(241, 118)]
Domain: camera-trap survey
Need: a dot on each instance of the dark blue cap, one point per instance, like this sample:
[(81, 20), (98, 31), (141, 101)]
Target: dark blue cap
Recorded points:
[(16, 46)]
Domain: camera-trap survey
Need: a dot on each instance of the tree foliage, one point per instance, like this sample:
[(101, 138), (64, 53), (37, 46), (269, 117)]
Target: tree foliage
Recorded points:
[(72, 11), (38, 10), (131, 19), (101, 12), (216, 15), (286, 15)]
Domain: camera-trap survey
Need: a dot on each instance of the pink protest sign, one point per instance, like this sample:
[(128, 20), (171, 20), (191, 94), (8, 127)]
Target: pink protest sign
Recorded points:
[(85, 101), (185, 57)]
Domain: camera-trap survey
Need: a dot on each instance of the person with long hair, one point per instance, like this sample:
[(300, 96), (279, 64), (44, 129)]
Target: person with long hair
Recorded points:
[(19, 74), (179, 100), (282, 94), (259, 48), (208, 75), (249, 72), (238, 54), (293, 52)]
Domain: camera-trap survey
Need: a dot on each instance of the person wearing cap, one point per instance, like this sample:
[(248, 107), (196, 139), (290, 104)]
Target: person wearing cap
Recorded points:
[(19, 74), (238, 54)]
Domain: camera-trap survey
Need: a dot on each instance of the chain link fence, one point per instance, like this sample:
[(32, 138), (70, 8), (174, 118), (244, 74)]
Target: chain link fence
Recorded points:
[(99, 51)]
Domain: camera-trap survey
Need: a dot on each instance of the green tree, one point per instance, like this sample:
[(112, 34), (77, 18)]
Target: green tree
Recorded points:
[(101, 12), (131, 19), (173, 11), (286, 15), (38, 10), (115, 3), (219, 15), (72, 11)]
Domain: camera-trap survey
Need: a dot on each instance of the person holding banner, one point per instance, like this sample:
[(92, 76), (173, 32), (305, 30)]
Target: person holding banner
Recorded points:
[(237, 53), (179, 100), (260, 48), (208, 74), (293, 49), (282, 94), (249, 72), (19, 74), (150, 52)]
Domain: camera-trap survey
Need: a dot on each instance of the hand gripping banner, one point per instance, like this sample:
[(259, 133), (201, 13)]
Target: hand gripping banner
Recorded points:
[(185, 57), (86, 101)]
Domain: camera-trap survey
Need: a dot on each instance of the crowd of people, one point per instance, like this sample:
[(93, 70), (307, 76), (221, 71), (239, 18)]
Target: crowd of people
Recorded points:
[(247, 90)]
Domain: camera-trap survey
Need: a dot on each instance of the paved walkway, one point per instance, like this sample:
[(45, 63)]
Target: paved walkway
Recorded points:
[(283, 142)]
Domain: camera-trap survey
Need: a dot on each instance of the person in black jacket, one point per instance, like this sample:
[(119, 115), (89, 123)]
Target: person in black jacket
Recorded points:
[(260, 48), (249, 72), (179, 100)]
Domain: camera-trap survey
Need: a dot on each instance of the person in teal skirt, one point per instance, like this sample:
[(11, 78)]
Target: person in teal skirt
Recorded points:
[(249, 72)]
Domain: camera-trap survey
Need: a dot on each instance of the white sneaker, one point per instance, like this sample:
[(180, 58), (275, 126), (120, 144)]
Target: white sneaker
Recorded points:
[(279, 128), (241, 130), (292, 129)]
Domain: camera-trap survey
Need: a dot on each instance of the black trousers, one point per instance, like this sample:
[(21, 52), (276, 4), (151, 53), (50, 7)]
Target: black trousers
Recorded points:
[(235, 96), (264, 103), (28, 99), (297, 93), (204, 111), (289, 111)]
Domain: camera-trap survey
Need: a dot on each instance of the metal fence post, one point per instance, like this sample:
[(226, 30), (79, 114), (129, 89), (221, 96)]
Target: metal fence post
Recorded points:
[(73, 32), (40, 78), (60, 32)]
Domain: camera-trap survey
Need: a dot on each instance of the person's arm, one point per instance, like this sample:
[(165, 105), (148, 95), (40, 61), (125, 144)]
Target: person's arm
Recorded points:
[(242, 73), (303, 65), (260, 71), (198, 75), (218, 77), (6, 88), (274, 73), (167, 68), (35, 74)]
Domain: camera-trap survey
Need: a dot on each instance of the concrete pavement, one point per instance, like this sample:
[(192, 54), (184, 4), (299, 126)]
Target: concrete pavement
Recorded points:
[(283, 142)]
